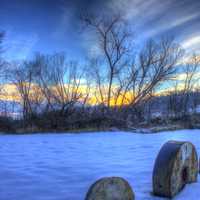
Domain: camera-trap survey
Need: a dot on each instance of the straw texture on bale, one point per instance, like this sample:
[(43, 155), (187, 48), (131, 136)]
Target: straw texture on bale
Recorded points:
[(176, 165), (111, 188)]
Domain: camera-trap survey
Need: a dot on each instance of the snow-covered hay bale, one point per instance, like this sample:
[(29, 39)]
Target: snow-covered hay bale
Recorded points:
[(111, 188), (175, 166)]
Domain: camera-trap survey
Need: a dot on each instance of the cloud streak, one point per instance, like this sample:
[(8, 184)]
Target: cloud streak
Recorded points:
[(155, 17), (149, 19), (192, 43)]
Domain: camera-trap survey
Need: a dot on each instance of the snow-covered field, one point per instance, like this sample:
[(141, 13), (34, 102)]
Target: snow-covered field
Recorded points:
[(63, 166)]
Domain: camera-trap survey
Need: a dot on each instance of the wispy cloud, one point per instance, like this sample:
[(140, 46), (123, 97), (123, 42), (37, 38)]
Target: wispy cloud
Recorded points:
[(173, 23), (155, 18), (192, 43)]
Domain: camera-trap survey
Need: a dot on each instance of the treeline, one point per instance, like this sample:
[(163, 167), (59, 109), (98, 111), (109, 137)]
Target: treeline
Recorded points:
[(115, 87)]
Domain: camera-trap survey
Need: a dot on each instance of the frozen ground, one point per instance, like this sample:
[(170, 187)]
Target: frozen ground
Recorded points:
[(63, 166)]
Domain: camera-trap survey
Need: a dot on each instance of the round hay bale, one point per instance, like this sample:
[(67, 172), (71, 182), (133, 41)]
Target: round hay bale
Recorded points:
[(111, 188), (175, 166)]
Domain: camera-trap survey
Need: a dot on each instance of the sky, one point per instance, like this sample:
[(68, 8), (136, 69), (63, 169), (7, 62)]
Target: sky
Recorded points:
[(50, 26)]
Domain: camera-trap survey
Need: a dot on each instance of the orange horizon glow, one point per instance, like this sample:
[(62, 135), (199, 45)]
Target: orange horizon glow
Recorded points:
[(9, 92)]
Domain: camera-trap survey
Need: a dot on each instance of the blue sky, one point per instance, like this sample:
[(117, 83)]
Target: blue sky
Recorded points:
[(50, 26)]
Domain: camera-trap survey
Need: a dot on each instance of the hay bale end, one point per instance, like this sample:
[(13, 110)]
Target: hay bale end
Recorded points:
[(176, 165), (111, 188)]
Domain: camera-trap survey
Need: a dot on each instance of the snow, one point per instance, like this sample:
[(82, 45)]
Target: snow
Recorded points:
[(63, 166), (156, 114), (195, 110), (198, 109)]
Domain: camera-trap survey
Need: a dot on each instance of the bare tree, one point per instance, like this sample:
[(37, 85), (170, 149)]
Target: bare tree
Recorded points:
[(22, 78), (124, 75), (113, 41), (196, 100), (190, 70), (174, 103), (3, 74), (156, 64), (185, 89), (60, 83), (130, 78)]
